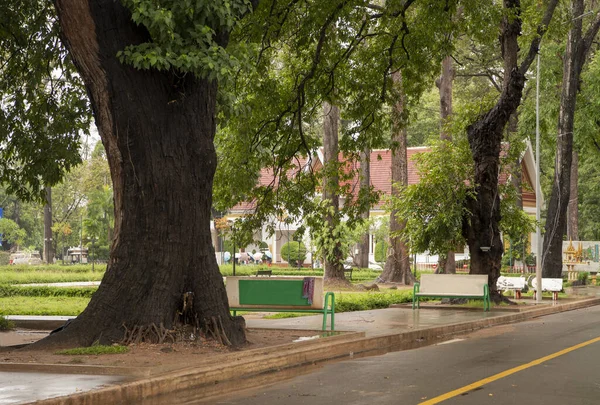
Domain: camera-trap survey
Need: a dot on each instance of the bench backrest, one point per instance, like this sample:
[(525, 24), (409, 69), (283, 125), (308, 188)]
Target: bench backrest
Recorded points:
[(548, 284), (510, 283), (453, 283), (277, 292)]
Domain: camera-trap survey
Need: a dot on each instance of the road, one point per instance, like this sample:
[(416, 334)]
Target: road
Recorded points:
[(551, 360)]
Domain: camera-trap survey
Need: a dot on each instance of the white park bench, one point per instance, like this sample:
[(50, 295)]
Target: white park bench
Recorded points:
[(516, 284), (452, 286), (554, 285)]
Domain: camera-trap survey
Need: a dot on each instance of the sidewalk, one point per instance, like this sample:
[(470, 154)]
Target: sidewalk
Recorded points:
[(380, 331)]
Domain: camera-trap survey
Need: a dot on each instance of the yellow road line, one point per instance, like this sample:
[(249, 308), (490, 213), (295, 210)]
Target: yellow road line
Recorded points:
[(503, 374)]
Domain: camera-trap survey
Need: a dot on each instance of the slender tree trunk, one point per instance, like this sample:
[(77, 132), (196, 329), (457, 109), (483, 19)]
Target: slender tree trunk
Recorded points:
[(516, 180), (447, 262), (573, 210), (333, 265), (365, 181), (48, 243), (158, 129), (397, 265), (556, 222)]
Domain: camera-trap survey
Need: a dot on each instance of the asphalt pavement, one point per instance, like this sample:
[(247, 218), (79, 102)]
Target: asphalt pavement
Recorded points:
[(552, 360)]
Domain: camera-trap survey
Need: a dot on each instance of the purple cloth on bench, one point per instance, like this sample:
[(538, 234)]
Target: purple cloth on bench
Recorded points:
[(308, 289)]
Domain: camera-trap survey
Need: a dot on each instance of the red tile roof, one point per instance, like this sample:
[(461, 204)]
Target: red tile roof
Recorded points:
[(380, 171), (267, 177)]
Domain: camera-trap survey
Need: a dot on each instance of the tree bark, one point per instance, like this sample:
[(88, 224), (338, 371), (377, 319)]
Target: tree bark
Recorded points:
[(48, 244), (397, 265), (362, 259), (577, 49), (573, 210), (333, 265), (447, 262), (481, 228), (158, 130)]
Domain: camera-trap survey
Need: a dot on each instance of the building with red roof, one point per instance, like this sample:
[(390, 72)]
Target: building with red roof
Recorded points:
[(380, 179)]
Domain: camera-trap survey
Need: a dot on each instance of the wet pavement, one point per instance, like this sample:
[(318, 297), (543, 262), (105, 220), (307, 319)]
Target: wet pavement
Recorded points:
[(22, 388), (387, 321)]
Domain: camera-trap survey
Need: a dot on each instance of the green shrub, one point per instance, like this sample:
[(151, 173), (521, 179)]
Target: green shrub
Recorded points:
[(530, 259), (350, 301), (45, 291), (4, 258), (381, 248), (582, 277), (55, 268), (6, 324), (293, 253)]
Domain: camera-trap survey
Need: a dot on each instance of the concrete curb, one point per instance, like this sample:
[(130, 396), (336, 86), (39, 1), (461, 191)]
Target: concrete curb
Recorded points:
[(254, 368)]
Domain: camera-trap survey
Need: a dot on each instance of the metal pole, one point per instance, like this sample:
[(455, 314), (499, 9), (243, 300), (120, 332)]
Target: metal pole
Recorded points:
[(538, 190), (233, 227)]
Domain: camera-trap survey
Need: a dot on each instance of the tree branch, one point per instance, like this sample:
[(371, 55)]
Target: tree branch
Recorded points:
[(541, 30), (591, 34)]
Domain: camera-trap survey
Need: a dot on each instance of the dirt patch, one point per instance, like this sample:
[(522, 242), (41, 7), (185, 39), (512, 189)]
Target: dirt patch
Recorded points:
[(152, 359)]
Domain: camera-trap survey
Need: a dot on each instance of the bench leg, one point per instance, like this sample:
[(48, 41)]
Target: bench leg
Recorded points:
[(554, 295), (517, 294), (332, 319)]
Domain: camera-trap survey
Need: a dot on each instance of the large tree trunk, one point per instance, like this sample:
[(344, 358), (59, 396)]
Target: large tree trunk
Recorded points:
[(48, 244), (447, 262), (573, 210), (397, 265), (158, 129), (362, 259), (575, 54), (333, 260), (481, 228)]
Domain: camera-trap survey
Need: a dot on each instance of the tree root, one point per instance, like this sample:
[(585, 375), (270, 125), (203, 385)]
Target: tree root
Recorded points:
[(150, 334), (187, 328), (213, 326)]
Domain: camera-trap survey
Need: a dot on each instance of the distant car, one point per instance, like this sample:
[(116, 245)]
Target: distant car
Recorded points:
[(25, 258)]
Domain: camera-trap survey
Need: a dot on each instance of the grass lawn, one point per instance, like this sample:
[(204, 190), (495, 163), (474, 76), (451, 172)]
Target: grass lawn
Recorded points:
[(63, 306), (48, 301), (9, 276)]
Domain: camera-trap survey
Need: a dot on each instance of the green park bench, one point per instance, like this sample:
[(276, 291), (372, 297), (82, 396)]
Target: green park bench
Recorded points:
[(452, 286), (264, 273), (279, 294)]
